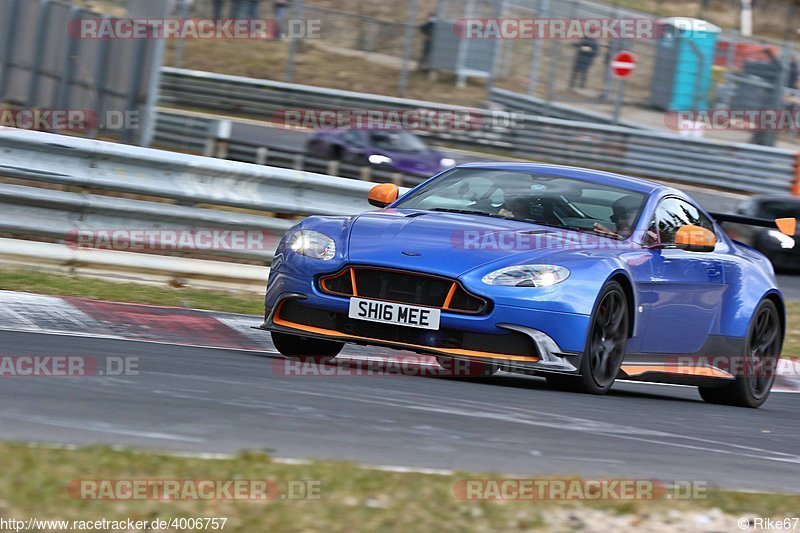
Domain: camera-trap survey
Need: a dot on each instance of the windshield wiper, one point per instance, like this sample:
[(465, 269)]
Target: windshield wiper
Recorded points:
[(467, 212), (579, 229), (528, 220)]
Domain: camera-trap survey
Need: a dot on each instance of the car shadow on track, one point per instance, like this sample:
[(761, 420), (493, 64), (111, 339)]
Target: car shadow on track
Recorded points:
[(514, 381), (400, 367)]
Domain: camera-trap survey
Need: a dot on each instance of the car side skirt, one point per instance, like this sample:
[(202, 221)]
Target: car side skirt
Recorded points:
[(712, 365)]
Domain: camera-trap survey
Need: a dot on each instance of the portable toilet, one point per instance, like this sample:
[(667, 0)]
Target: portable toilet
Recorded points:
[(684, 64)]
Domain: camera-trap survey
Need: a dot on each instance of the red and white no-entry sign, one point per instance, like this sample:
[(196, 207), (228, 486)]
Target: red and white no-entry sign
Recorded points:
[(623, 64)]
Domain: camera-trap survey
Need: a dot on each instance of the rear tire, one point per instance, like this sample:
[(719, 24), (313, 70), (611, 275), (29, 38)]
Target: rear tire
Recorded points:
[(763, 348), (466, 369), (605, 346), (305, 348)]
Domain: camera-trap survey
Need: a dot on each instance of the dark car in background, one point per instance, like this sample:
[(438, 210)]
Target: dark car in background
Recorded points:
[(393, 150), (782, 250)]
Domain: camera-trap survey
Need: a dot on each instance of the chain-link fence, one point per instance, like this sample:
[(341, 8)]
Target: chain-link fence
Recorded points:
[(383, 46)]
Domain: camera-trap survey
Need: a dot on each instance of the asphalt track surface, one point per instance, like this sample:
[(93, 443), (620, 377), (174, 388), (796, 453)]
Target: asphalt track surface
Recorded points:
[(221, 401), (215, 400)]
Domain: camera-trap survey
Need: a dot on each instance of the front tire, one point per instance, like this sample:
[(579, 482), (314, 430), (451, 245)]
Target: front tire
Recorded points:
[(763, 349), (305, 348), (605, 347)]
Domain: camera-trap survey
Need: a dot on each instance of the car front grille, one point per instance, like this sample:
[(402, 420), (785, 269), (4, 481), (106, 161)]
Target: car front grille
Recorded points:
[(512, 343), (403, 287)]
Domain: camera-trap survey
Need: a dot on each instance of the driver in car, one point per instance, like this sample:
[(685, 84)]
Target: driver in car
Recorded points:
[(624, 216)]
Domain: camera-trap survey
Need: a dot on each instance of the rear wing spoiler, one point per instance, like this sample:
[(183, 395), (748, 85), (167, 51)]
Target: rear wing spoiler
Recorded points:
[(787, 226)]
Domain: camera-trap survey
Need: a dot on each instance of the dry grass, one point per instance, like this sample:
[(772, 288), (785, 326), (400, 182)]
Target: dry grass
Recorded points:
[(352, 498), (316, 66)]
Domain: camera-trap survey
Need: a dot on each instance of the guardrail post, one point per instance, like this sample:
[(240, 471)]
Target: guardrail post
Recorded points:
[(222, 137), (397, 179), (210, 147), (796, 184), (333, 168), (366, 173), (262, 154), (299, 160)]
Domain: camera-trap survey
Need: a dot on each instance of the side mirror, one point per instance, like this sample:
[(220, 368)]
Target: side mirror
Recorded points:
[(695, 239), (787, 226), (383, 194)]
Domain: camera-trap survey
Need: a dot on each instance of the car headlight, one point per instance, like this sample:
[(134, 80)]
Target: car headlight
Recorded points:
[(527, 276), (376, 159), (447, 162), (313, 244), (784, 240)]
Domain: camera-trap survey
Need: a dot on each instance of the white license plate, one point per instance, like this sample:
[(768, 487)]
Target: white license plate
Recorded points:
[(392, 313)]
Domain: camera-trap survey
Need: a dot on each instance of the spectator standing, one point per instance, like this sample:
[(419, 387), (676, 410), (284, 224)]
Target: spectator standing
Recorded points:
[(791, 81), (280, 10), (584, 56), (252, 8), (239, 9), (219, 7), (428, 30)]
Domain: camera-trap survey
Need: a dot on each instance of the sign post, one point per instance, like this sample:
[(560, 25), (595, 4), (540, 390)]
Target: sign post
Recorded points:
[(623, 65)]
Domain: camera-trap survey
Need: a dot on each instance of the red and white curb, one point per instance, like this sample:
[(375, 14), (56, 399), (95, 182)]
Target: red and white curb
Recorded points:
[(35, 313), (53, 315)]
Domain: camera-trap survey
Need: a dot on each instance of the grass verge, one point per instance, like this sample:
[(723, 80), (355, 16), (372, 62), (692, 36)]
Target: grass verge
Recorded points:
[(35, 484), (98, 289), (320, 67)]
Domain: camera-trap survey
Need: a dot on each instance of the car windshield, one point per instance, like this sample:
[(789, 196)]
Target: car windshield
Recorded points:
[(779, 209), (397, 141), (545, 199)]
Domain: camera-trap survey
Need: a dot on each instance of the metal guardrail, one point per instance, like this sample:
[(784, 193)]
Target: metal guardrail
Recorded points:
[(179, 197), (736, 167), (131, 266), (67, 216), (267, 100), (194, 133), (188, 179), (647, 153), (299, 160), (542, 108), (262, 98)]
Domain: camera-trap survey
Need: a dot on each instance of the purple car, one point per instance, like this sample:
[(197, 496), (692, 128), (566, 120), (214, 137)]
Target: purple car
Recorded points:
[(394, 150)]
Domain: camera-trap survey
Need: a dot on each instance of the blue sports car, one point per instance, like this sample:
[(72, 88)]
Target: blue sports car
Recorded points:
[(580, 276)]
